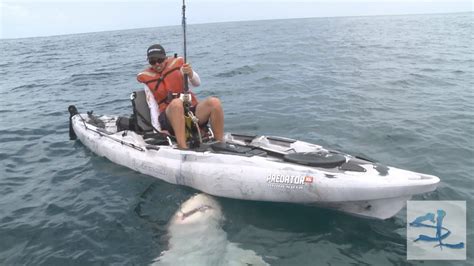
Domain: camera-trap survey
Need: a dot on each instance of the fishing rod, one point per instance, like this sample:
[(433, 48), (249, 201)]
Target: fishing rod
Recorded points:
[(190, 118), (183, 23)]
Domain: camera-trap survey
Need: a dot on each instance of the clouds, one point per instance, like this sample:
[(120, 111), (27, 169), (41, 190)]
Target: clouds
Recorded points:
[(25, 18), (33, 19), (14, 11)]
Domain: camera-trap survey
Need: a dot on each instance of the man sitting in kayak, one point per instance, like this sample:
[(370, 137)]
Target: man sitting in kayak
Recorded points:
[(164, 81)]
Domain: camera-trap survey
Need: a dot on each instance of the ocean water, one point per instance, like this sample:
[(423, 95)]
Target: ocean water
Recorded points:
[(398, 89)]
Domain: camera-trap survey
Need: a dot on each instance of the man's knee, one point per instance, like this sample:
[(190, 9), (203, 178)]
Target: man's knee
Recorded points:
[(214, 102), (175, 105)]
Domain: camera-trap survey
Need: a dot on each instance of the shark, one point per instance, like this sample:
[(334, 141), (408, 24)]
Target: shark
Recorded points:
[(196, 237)]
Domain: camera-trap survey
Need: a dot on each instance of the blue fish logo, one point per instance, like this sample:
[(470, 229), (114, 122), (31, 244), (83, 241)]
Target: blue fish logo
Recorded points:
[(441, 232)]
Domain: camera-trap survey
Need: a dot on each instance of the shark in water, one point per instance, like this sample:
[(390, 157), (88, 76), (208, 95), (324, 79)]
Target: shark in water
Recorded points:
[(197, 237)]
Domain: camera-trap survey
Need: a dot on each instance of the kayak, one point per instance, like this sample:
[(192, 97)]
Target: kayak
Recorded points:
[(258, 168)]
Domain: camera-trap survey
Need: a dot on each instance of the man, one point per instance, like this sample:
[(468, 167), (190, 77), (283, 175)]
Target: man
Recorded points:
[(164, 82)]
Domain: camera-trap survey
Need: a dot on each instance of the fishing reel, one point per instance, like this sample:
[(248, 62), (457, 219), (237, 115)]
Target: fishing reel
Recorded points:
[(193, 131), (186, 98)]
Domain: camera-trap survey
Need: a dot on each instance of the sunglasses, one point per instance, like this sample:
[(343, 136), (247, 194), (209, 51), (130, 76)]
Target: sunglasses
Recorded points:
[(153, 61)]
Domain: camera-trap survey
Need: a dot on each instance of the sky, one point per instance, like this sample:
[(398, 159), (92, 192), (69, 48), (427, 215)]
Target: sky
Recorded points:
[(30, 18)]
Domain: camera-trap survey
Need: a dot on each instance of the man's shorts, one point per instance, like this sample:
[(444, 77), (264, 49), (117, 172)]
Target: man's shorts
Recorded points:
[(166, 125)]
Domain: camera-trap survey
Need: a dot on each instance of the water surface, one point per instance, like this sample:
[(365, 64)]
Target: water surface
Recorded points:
[(398, 89)]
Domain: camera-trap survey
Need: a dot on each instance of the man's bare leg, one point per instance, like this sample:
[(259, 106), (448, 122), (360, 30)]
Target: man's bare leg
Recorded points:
[(175, 115), (211, 109)]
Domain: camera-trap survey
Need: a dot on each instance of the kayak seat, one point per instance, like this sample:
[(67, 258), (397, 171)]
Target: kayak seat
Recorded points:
[(141, 112)]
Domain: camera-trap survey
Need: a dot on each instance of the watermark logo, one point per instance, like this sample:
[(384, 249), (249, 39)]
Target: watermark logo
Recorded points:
[(436, 230)]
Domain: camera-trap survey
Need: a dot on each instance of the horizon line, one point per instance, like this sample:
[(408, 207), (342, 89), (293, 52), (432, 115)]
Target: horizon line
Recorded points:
[(234, 21)]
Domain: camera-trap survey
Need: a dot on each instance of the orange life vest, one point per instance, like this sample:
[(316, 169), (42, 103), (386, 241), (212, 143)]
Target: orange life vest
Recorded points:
[(168, 81)]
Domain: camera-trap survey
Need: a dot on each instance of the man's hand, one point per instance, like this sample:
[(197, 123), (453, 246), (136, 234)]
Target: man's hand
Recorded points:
[(188, 70)]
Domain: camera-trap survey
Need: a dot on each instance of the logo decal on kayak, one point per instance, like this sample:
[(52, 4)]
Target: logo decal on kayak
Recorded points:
[(288, 181)]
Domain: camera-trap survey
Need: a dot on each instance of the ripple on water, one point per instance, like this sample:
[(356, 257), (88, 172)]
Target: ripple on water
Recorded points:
[(244, 70)]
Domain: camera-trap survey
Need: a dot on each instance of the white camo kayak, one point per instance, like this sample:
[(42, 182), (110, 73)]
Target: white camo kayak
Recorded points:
[(260, 168)]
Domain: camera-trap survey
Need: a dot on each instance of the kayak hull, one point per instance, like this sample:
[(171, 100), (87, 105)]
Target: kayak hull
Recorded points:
[(368, 193)]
